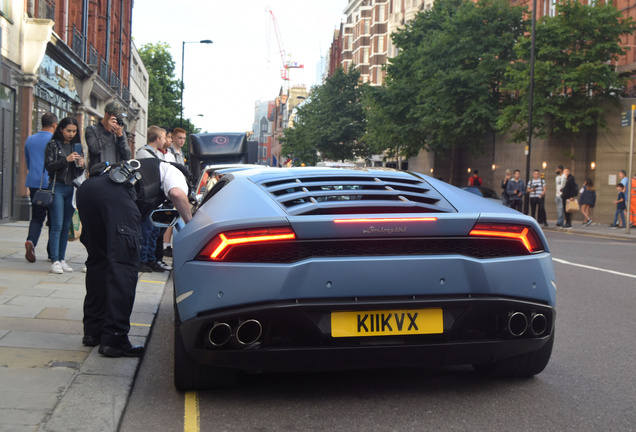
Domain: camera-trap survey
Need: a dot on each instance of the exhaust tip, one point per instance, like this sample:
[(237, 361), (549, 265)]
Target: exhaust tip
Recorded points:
[(248, 332), (538, 324), (517, 323), (220, 334)]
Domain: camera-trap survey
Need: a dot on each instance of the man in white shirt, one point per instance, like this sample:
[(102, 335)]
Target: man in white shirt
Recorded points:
[(156, 140), (536, 193), (560, 183)]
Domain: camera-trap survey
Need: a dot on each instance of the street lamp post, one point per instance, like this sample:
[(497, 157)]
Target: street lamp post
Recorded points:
[(205, 41), (530, 103)]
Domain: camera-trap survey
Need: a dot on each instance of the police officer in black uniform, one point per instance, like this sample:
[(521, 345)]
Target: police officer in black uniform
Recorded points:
[(112, 202)]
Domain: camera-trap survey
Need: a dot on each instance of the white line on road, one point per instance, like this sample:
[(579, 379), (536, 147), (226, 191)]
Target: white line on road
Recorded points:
[(594, 268)]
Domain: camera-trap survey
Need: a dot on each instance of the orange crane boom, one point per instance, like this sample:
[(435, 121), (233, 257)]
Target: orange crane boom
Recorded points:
[(284, 71)]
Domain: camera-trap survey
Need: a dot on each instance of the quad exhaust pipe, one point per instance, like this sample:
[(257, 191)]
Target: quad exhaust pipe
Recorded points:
[(538, 324), (247, 333)]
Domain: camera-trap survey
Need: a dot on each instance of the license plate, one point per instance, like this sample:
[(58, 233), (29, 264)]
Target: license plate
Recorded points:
[(387, 322)]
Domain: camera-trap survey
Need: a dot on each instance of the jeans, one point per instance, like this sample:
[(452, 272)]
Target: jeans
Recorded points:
[(516, 204), (149, 235), (38, 214), (622, 213), (559, 208), (61, 214), (540, 203)]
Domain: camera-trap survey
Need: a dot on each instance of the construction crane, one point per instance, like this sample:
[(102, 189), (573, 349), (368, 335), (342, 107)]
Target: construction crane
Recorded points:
[(286, 65)]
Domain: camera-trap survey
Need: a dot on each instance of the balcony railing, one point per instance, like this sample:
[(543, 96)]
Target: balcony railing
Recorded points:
[(115, 82), (93, 56), (103, 70), (125, 94), (78, 44)]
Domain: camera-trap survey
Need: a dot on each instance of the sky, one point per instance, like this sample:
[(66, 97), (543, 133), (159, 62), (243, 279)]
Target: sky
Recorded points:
[(223, 80)]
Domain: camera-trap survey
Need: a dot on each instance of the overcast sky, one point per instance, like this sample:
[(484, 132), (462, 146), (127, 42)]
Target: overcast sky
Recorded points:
[(224, 80)]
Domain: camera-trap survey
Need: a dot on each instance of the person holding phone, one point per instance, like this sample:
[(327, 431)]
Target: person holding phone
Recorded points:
[(106, 140), (64, 164)]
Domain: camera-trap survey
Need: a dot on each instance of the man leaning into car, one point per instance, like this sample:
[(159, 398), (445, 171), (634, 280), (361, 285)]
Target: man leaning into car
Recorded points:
[(111, 215)]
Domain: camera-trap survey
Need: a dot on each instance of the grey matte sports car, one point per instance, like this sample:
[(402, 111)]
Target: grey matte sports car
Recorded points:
[(324, 269)]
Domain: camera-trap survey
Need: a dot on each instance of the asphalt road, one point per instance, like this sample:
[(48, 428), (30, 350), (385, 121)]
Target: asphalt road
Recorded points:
[(587, 386)]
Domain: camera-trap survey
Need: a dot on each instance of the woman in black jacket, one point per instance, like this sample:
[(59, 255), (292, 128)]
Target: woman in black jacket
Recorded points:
[(64, 165), (569, 192)]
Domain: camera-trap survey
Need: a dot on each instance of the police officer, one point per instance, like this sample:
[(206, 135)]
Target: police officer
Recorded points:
[(111, 204)]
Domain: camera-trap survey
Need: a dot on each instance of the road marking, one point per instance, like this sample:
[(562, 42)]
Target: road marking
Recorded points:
[(139, 325), (594, 268), (191, 418), (149, 281)]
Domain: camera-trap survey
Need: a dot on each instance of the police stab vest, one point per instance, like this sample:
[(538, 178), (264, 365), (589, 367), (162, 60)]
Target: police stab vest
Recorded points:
[(149, 192)]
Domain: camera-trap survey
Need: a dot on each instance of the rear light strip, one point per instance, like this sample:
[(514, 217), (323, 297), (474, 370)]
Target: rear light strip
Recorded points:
[(524, 234), (218, 247), (376, 220)]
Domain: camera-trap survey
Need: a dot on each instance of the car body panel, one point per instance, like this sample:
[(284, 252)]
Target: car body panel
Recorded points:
[(294, 295)]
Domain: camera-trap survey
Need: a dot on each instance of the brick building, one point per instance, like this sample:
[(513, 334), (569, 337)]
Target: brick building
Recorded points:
[(69, 57)]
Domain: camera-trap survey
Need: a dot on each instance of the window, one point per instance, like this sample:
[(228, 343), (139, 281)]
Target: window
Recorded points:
[(366, 26), (6, 9), (552, 11), (365, 55)]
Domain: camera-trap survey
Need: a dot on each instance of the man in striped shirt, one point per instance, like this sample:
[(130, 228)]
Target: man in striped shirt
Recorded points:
[(536, 191)]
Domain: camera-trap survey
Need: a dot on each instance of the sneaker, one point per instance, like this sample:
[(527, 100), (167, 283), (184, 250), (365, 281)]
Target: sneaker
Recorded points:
[(559, 224), (56, 268), (30, 251), (613, 226), (568, 226), (145, 268), (67, 268), (166, 266), (589, 222), (83, 269), (168, 251), (156, 267)]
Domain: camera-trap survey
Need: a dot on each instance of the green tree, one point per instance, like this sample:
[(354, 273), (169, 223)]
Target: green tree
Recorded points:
[(164, 91), (444, 85), (331, 122), (575, 79)]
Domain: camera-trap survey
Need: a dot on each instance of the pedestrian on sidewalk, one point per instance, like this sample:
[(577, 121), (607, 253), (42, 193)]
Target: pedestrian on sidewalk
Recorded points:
[(570, 191), (37, 177), (560, 184), (632, 203), (505, 199), (516, 188), (620, 207), (64, 165), (536, 192), (475, 180), (588, 200)]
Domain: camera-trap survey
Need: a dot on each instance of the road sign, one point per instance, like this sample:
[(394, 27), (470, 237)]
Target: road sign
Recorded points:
[(626, 118)]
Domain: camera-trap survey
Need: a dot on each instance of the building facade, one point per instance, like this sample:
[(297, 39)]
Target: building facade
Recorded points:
[(69, 57)]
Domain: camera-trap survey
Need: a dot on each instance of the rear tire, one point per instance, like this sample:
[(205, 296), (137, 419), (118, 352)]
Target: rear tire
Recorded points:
[(521, 366), (190, 375)]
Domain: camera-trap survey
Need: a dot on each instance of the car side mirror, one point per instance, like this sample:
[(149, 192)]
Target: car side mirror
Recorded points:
[(164, 218)]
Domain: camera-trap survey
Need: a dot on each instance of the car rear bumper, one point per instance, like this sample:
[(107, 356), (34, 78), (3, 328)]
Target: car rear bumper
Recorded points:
[(297, 336)]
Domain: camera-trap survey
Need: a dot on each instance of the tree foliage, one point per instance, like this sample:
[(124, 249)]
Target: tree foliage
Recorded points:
[(164, 93), (574, 77), (330, 123), (443, 88)]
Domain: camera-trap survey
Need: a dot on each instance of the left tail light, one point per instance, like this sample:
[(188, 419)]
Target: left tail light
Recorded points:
[(522, 233), (217, 248)]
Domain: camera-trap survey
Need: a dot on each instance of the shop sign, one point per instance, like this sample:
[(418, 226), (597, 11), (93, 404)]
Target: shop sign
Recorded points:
[(53, 76)]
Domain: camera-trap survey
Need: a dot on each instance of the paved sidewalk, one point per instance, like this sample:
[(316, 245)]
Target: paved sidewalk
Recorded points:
[(49, 380), (595, 229)]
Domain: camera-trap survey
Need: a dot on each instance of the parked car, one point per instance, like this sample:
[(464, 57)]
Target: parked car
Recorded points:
[(323, 268), (484, 192)]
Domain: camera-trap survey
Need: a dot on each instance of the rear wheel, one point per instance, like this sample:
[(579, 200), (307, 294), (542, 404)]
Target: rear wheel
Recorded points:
[(190, 375), (525, 365)]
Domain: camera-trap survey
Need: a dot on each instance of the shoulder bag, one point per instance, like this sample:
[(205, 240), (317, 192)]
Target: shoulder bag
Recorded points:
[(44, 197)]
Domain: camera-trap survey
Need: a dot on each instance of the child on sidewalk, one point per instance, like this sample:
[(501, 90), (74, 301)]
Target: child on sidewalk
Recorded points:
[(620, 206)]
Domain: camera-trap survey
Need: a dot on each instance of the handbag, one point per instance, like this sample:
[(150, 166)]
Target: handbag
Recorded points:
[(44, 197), (572, 205)]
